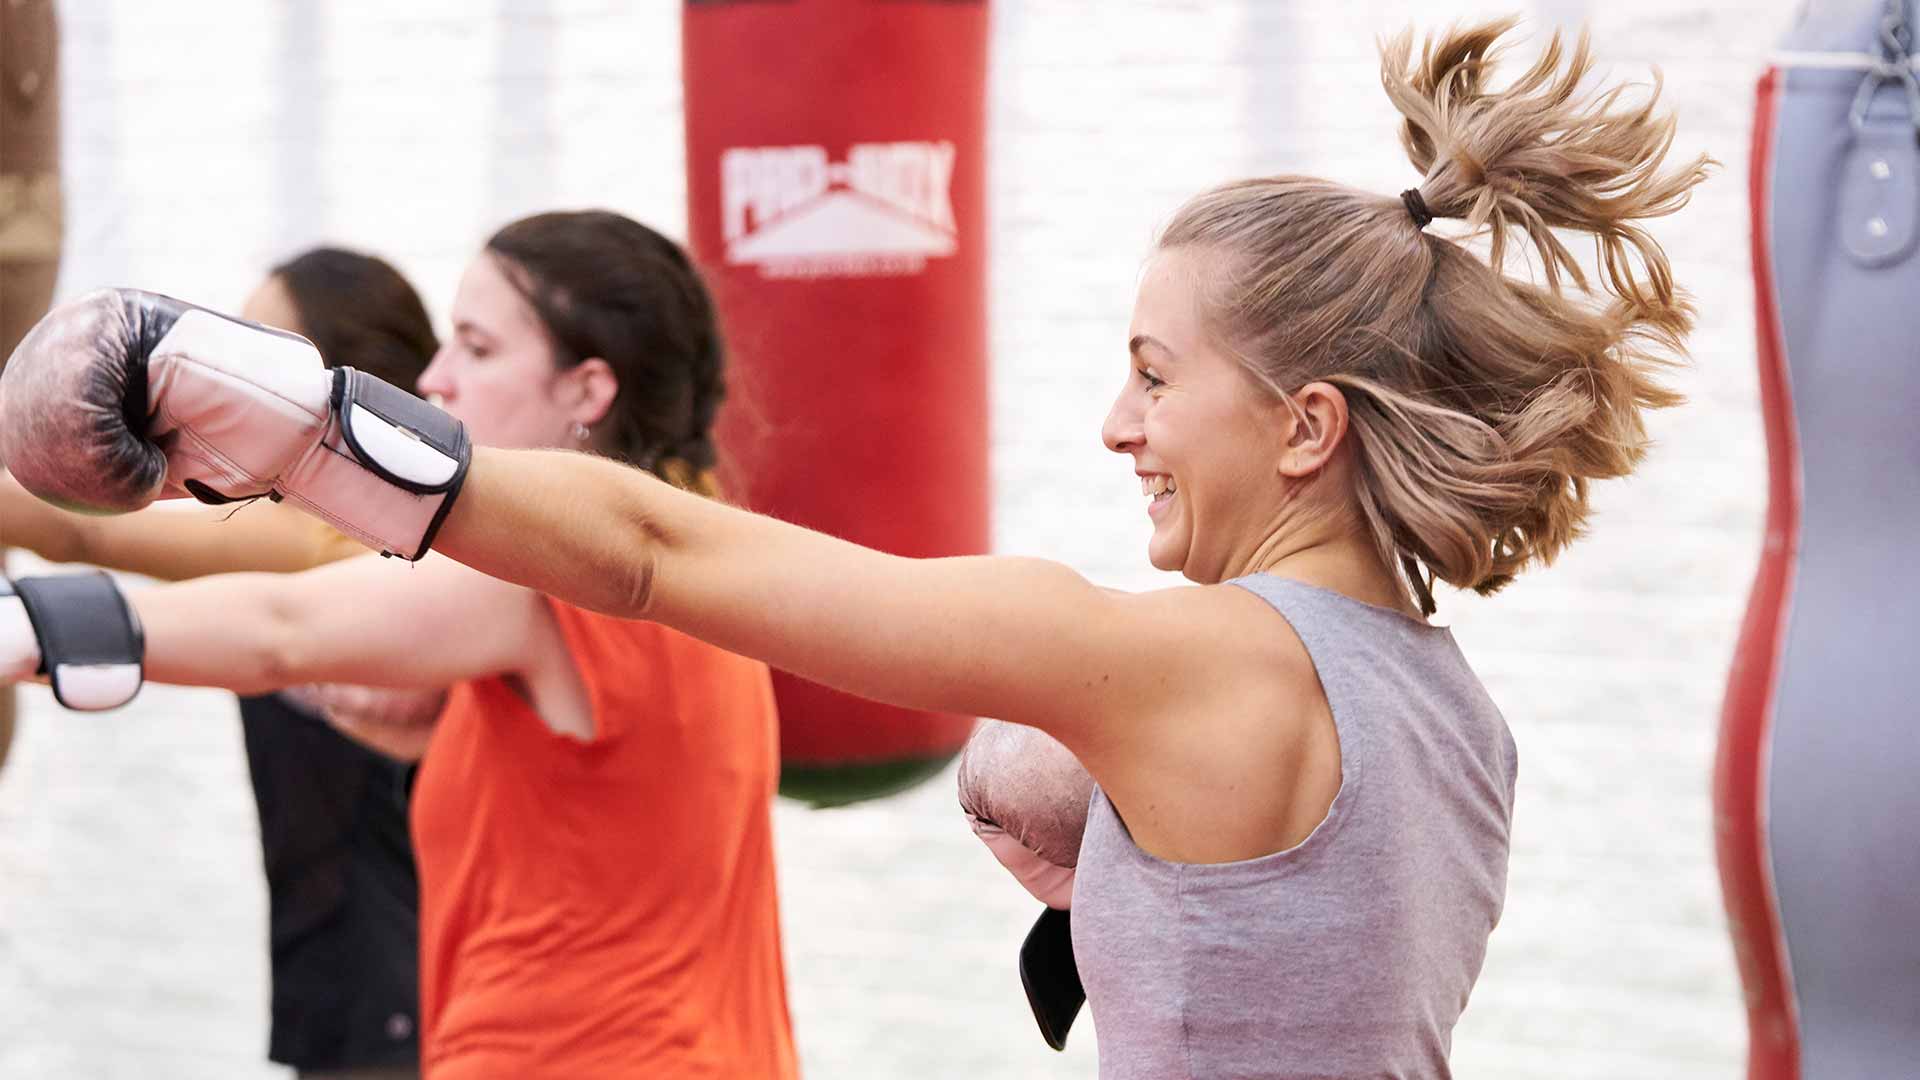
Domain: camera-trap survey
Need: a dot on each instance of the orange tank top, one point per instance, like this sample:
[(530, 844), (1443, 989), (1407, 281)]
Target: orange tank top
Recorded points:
[(605, 908)]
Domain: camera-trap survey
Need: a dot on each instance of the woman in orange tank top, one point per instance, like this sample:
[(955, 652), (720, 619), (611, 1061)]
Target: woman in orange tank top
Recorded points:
[(592, 814)]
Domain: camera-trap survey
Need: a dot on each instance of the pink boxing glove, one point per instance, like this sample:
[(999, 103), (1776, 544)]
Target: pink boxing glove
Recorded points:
[(397, 723), (122, 397), (1026, 797)]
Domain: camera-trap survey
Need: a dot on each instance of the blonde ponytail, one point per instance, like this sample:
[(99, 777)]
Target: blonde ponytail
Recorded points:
[(1540, 154)]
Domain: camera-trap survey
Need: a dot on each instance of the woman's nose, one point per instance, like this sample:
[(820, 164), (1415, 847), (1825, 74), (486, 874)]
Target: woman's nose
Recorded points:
[(1122, 430), (434, 382)]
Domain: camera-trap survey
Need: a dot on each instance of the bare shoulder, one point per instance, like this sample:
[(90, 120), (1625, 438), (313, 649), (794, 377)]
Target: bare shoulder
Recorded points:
[(1250, 720), (1212, 628), (1202, 658)]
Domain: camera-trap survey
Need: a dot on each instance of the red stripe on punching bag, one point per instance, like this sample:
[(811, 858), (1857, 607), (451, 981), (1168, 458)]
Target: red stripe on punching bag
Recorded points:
[(1739, 773), (836, 199)]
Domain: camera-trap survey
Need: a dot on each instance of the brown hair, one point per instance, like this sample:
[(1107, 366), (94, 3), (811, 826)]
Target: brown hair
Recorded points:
[(360, 312), (1480, 405), (607, 286)]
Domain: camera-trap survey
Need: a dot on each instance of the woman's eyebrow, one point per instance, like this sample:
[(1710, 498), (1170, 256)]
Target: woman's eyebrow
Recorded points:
[(1142, 340)]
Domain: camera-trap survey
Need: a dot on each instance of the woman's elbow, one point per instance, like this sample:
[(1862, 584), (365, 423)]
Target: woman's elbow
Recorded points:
[(63, 540), (633, 573), (282, 652)]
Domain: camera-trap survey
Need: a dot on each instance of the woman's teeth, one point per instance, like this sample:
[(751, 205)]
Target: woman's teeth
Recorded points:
[(1156, 486)]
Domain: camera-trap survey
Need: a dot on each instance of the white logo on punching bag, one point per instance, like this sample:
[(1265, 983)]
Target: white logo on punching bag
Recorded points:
[(792, 211)]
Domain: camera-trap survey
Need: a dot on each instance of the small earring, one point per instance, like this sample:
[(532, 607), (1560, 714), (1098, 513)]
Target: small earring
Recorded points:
[(580, 432)]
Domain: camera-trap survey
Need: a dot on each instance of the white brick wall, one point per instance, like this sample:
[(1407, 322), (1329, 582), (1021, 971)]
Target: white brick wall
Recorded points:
[(205, 141)]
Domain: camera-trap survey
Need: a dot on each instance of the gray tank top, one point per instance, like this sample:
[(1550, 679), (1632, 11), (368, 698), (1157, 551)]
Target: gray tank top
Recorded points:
[(1351, 954)]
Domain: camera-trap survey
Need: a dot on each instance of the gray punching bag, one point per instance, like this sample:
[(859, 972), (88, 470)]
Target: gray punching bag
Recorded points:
[(1817, 778)]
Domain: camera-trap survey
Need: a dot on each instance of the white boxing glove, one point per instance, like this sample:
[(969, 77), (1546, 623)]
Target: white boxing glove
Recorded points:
[(19, 645)]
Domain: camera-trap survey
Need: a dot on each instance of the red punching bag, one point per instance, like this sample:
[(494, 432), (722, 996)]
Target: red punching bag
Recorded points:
[(836, 188)]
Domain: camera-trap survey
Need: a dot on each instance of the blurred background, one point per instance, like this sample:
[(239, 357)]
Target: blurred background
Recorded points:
[(205, 142)]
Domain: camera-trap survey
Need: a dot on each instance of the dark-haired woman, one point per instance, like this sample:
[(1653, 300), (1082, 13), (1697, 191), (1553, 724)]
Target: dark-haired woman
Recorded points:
[(342, 898), (592, 816)]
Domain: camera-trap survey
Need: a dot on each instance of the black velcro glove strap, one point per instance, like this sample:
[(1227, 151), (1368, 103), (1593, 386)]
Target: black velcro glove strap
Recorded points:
[(91, 646), (1050, 976), (372, 412), (403, 440)]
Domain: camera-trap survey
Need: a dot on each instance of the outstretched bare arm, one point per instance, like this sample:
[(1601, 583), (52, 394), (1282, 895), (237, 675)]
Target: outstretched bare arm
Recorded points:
[(174, 542), (1020, 639)]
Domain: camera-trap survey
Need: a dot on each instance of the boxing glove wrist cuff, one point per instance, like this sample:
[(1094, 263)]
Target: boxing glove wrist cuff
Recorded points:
[(1048, 882), (91, 646), (387, 469)]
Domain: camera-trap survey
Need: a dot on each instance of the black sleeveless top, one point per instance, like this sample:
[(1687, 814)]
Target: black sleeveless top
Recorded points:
[(343, 898)]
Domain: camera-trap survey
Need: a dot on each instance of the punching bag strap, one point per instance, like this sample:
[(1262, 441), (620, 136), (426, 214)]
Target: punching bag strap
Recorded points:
[(1893, 64)]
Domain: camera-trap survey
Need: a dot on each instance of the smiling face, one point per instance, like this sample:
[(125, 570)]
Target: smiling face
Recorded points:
[(498, 372), (1204, 439)]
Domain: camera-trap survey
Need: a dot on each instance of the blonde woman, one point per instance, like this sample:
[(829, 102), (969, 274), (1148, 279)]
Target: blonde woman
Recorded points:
[(1298, 843)]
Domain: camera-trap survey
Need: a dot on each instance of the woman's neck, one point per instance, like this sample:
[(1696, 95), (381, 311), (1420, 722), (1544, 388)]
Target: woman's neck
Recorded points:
[(1334, 554)]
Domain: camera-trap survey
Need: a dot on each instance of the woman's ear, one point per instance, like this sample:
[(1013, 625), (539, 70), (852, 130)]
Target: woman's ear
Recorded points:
[(595, 387), (1317, 415)]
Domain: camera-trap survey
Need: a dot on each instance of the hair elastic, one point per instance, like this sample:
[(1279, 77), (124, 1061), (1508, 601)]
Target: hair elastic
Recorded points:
[(1417, 206)]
